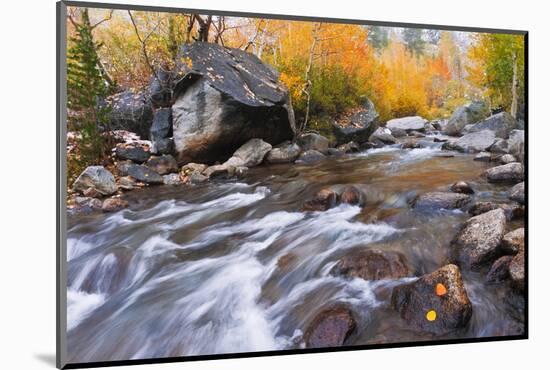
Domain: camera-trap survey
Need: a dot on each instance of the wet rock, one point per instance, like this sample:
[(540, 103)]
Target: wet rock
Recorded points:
[(323, 200), (514, 241), (98, 178), (383, 135), (330, 328), (193, 167), (465, 115), (284, 261), (113, 204), (516, 145), (314, 142), (144, 174), (333, 152), (91, 193), (86, 204), (517, 270), (360, 125), (507, 158), (250, 154), (462, 187), (310, 156), (133, 152), (440, 140), (285, 152), (216, 171), (410, 144), (163, 165), (417, 134), (350, 147), (501, 124), (499, 270), (439, 200), (473, 142), (483, 157), (224, 97), (197, 178), (512, 211), (372, 264), (437, 303), (172, 179), (500, 146), (397, 132), (407, 123), (130, 111), (351, 195), (369, 145), (127, 183), (507, 173), (517, 193), (478, 241)]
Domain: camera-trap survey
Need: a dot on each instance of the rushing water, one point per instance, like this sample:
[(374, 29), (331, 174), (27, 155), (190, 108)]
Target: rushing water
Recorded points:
[(230, 266)]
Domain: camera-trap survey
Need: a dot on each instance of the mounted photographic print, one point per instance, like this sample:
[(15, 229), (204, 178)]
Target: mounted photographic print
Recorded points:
[(235, 185)]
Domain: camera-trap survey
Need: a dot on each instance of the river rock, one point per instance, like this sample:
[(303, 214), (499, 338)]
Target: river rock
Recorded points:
[(250, 154), (193, 167), (397, 132), (351, 195), (483, 157), (330, 328), (163, 165), (473, 142), (313, 141), (285, 152), (517, 193), (501, 124), (133, 152), (310, 156), (92, 193), (407, 123), (357, 127), (351, 147), (127, 183), (441, 200), (144, 174), (512, 211), (507, 173), (478, 241), (197, 178), (507, 158), (500, 146), (217, 170), (517, 270), (453, 308), (113, 204), (98, 178), (334, 152), (516, 144), (372, 264), (224, 97), (499, 270), (171, 179), (465, 115), (87, 204), (323, 200), (513, 241), (131, 111), (462, 187), (383, 135)]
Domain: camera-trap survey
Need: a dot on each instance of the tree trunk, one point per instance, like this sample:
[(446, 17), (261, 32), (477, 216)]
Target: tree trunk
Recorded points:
[(514, 107), (307, 87)]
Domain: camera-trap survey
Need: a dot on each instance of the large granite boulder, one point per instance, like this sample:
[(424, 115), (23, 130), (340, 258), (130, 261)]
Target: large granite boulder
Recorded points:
[(358, 126), (465, 115), (436, 303), (413, 123), (224, 97), (501, 124), (131, 111), (477, 243), (473, 142), (97, 178)]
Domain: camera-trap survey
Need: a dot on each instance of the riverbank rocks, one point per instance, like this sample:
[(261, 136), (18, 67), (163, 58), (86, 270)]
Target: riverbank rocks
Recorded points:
[(478, 241), (512, 211), (501, 124), (517, 193), (161, 132), (414, 123), (499, 270), (86, 205), (98, 178), (193, 167), (163, 165), (351, 147), (514, 241), (441, 200), (131, 111), (372, 264), (313, 141), (517, 270), (223, 98), (357, 126), (285, 152), (516, 145), (436, 303), (500, 146), (250, 154), (134, 152), (462, 187), (507, 158), (310, 156), (473, 142), (383, 135), (351, 195), (465, 115), (507, 173), (144, 174), (330, 328), (113, 204), (172, 179), (321, 201), (127, 183), (483, 157)]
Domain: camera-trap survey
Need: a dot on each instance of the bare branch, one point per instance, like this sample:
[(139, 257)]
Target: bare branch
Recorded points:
[(143, 45), (108, 18)]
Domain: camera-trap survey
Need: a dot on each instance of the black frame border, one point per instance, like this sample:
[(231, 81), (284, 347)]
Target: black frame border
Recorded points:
[(61, 118)]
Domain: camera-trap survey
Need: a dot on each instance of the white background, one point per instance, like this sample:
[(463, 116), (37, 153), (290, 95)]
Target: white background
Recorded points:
[(27, 183)]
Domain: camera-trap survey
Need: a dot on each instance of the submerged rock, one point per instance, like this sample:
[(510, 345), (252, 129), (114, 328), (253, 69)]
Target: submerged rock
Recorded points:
[(310, 156), (407, 123), (462, 187), (285, 152), (437, 303), (250, 154), (323, 200), (351, 195), (478, 241), (441, 200), (372, 264), (517, 193), (507, 173), (359, 126), (330, 328), (314, 142), (98, 178), (163, 165)]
